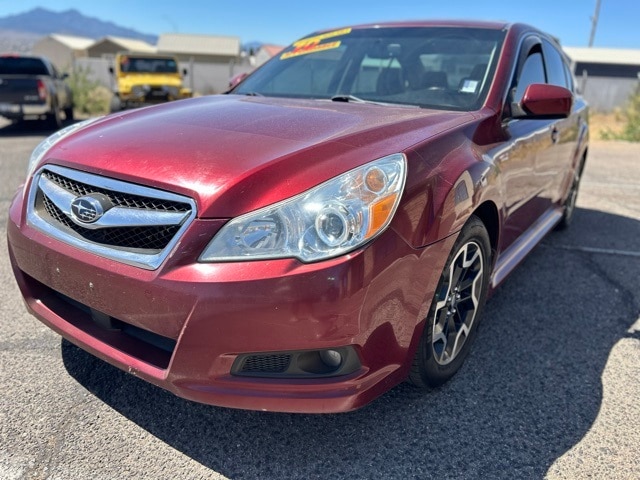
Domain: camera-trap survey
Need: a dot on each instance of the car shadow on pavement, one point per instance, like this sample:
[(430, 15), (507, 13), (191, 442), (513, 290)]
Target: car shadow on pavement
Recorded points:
[(29, 128), (530, 390)]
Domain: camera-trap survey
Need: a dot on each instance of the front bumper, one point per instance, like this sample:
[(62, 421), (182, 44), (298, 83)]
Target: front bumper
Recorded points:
[(153, 94), (196, 319)]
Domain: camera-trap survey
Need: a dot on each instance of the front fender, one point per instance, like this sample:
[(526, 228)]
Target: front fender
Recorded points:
[(439, 200)]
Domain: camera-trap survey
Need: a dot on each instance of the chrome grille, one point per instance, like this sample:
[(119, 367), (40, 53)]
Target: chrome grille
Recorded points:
[(146, 238), (117, 198), (139, 226)]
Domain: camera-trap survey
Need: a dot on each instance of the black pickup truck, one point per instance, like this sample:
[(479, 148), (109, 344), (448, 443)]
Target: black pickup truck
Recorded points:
[(31, 87)]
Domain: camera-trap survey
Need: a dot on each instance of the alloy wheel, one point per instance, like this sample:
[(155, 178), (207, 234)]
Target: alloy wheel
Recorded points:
[(457, 303)]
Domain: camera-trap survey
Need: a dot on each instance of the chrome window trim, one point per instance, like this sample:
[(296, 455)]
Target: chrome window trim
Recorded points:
[(142, 260)]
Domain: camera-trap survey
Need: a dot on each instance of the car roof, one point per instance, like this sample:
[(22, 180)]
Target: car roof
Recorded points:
[(431, 23), (517, 28)]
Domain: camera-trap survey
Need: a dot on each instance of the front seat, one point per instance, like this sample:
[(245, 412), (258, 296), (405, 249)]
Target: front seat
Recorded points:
[(389, 82)]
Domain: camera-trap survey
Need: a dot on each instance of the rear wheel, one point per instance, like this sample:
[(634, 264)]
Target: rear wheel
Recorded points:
[(570, 203), (452, 322)]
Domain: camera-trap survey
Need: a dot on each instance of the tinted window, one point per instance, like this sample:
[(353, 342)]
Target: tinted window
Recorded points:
[(22, 66), (148, 65), (436, 67), (555, 65), (532, 72)]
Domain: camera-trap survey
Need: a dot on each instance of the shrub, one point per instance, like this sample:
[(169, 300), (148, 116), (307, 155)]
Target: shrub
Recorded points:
[(630, 116), (89, 96)]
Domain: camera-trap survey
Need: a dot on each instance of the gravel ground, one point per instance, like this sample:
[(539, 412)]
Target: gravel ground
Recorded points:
[(550, 390)]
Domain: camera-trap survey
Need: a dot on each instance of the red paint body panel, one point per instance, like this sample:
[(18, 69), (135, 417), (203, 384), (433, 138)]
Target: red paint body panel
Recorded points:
[(273, 148), (209, 310), (235, 154)]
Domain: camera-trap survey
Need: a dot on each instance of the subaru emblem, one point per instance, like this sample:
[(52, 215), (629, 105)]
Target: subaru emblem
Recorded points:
[(87, 209)]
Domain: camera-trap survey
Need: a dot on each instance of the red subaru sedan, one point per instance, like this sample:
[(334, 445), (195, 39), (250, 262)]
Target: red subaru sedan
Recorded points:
[(327, 229)]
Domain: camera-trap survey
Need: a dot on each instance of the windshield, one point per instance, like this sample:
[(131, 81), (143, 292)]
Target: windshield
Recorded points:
[(434, 67), (147, 65)]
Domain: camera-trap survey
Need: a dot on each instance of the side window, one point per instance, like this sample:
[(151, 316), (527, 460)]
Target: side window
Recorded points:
[(532, 72), (555, 65)]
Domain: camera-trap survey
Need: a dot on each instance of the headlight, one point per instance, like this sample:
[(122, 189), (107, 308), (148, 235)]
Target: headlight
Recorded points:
[(329, 220), (40, 151)]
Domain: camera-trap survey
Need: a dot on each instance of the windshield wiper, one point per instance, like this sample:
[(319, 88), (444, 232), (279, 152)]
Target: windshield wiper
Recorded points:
[(347, 98), (352, 98)]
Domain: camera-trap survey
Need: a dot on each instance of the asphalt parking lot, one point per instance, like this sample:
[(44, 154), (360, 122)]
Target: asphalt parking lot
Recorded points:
[(551, 389)]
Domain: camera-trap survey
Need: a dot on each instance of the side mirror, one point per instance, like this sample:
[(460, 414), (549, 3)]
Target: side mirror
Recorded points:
[(541, 100), (64, 76)]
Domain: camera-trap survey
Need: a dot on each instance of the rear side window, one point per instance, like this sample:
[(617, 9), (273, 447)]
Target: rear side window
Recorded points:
[(569, 75), (555, 65)]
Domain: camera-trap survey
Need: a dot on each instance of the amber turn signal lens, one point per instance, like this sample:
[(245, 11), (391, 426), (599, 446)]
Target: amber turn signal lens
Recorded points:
[(375, 180), (380, 212)]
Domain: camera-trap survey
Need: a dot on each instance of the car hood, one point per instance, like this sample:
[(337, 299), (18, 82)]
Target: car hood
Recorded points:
[(233, 154)]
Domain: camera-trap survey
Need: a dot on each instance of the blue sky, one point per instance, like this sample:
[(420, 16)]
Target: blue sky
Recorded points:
[(282, 22)]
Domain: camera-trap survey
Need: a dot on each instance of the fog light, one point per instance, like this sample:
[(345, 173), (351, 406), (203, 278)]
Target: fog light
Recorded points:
[(331, 358)]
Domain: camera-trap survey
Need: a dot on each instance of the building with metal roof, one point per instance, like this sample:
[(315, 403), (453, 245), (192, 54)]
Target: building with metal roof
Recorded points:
[(200, 48), (108, 46), (62, 50), (607, 76), (265, 52)]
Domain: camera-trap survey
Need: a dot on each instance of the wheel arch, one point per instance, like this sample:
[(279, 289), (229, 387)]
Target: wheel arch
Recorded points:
[(488, 214)]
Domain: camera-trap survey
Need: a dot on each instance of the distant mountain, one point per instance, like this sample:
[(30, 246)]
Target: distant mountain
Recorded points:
[(42, 22)]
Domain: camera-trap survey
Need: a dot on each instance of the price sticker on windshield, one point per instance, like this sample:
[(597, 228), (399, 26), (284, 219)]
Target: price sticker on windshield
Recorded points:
[(314, 44)]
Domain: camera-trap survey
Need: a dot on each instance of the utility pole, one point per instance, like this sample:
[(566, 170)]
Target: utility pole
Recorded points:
[(594, 23)]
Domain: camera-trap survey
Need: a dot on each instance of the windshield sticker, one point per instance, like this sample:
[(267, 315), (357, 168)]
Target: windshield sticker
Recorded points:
[(469, 86), (312, 44)]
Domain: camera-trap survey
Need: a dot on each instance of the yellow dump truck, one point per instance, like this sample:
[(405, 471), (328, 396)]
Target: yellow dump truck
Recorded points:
[(142, 79)]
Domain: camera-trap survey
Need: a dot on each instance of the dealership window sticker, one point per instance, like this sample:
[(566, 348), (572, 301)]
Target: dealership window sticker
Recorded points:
[(314, 44)]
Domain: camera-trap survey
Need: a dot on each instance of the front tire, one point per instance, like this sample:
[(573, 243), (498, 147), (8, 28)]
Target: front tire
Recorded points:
[(115, 105), (452, 322)]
